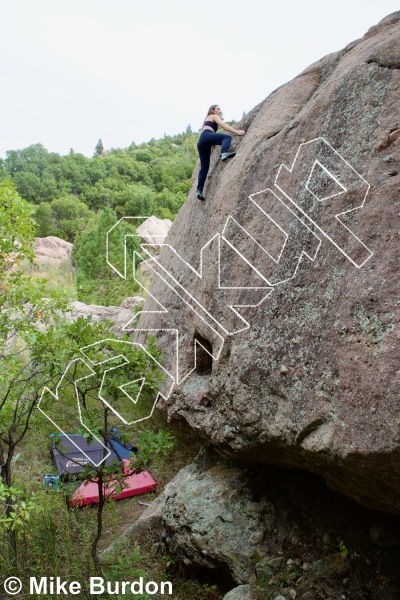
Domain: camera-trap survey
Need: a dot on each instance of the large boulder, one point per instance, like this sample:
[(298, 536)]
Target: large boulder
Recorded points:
[(211, 521), (313, 381), (278, 531), (52, 250), (214, 523)]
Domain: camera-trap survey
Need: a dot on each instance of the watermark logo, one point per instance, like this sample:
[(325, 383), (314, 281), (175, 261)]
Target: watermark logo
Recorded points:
[(96, 586), (12, 586)]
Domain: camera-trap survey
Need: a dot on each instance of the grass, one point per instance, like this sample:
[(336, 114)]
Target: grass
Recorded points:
[(58, 276), (56, 542)]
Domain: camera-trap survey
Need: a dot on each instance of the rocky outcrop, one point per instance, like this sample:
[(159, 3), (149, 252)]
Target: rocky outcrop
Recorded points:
[(131, 301), (52, 250), (213, 522), (154, 230), (119, 315), (271, 531), (313, 381), (144, 270)]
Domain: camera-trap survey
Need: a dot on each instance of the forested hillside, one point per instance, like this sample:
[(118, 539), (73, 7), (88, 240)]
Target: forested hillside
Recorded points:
[(79, 199), (68, 191)]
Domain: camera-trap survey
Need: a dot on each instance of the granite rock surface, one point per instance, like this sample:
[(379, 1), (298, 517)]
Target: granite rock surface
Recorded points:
[(306, 374)]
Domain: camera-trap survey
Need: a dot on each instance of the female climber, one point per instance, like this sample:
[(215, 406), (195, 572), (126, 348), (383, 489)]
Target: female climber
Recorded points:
[(209, 138)]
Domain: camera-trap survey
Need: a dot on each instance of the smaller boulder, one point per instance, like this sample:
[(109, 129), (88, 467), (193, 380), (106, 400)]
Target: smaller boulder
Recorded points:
[(118, 315), (242, 592), (131, 302), (52, 250), (144, 269), (154, 230)]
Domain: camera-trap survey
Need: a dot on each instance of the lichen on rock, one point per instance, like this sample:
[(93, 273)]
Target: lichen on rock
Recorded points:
[(313, 381)]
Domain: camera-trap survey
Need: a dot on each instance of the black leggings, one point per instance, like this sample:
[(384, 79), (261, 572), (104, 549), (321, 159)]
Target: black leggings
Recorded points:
[(207, 140)]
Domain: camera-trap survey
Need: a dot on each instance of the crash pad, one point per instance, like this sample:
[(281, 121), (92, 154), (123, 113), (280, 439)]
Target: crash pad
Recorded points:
[(133, 485)]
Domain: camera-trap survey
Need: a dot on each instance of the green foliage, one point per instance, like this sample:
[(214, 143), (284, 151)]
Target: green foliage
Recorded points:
[(37, 534), (21, 509), (25, 305), (16, 227), (154, 445), (212, 592), (47, 542), (23, 300), (35, 172), (134, 365), (32, 357), (96, 282), (127, 564), (129, 363), (151, 178), (61, 342), (345, 553), (343, 549), (64, 217), (99, 148)]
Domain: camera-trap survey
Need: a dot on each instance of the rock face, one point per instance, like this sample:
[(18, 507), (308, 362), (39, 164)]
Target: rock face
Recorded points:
[(277, 532), (52, 250), (213, 522), (313, 381)]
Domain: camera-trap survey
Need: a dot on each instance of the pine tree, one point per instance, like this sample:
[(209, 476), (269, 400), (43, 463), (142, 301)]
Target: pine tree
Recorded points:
[(97, 283), (99, 148)]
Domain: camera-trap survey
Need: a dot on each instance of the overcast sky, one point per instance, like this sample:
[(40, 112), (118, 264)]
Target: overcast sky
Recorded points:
[(74, 71)]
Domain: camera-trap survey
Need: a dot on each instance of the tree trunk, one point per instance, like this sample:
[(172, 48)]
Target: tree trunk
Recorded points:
[(102, 499), (99, 530), (6, 475)]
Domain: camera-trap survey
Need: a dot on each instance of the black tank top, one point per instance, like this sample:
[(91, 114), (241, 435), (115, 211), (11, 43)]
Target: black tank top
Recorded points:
[(212, 124)]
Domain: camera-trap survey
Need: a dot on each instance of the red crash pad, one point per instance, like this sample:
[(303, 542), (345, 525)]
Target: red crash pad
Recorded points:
[(134, 484)]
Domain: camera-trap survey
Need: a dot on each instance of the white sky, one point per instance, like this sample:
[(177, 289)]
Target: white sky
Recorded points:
[(74, 71)]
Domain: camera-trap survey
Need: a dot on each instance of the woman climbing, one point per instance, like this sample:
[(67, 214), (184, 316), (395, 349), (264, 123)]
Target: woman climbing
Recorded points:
[(209, 138)]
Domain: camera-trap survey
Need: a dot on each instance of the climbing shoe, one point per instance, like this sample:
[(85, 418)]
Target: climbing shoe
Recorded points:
[(227, 155), (200, 195)]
